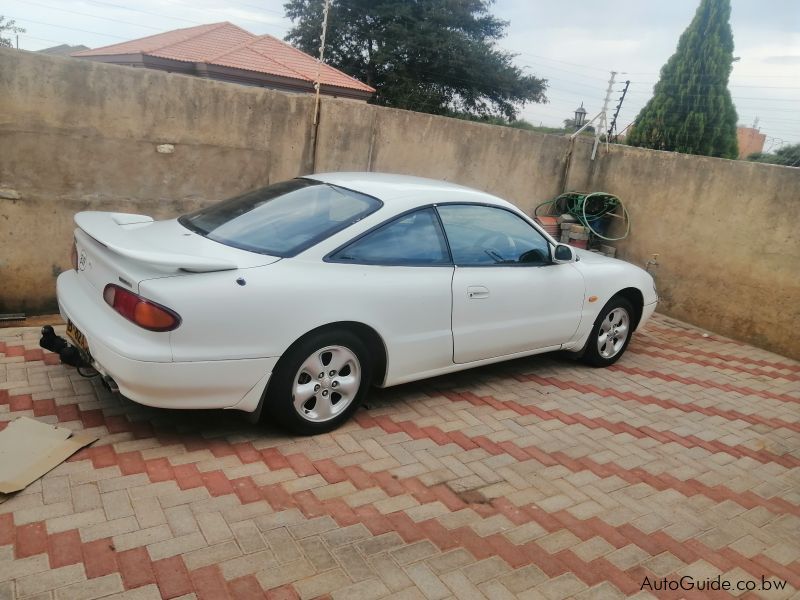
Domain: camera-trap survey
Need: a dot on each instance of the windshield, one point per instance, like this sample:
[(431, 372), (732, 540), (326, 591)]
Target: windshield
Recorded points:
[(281, 219)]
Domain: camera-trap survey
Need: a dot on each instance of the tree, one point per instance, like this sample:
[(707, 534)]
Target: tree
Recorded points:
[(436, 56), (788, 156), (691, 110), (10, 26)]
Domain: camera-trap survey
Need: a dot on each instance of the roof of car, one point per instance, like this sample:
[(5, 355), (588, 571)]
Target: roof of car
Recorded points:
[(387, 186)]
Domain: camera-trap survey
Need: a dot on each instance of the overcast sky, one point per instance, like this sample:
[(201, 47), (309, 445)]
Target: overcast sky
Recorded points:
[(572, 44)]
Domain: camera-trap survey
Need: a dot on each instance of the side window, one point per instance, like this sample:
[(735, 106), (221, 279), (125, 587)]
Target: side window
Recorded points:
[(413, 239), (485, 235)]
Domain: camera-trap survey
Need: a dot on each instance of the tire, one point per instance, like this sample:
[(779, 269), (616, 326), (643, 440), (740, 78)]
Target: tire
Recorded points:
[(312, 380), (604, 351)]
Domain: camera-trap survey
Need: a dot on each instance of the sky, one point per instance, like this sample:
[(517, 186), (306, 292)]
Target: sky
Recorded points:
[(573, 44)]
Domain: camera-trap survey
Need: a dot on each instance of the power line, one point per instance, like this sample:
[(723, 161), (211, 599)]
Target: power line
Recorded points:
[(74, 12)]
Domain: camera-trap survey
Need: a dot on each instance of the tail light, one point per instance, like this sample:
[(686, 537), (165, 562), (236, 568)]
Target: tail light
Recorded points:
[(142, 312), (74, 255)]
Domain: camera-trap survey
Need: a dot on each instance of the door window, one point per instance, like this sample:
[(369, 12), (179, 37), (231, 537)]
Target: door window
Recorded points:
[(486, 235), (412, 239)]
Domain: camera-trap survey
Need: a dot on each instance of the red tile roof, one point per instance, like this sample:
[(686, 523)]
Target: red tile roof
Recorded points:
[(228, 45)]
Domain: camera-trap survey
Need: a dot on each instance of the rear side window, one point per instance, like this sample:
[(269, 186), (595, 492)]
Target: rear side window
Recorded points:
[(412, 239), (281, 219)]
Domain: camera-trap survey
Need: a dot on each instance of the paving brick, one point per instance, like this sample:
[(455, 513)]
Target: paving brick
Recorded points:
[(30, 539), (91, 589), (455, 559), (371, 589), (99, 558), (177, 545), (135, 568), (393, 576), (172, 577), (535, 478), (427, 581), (277, 576), (246, 588), (353, 563), (380, 543), (324, 583), (214, 527), (282, 544), (414, 552), (210, 555), (209, 583), (248, 564), (142, 537), (116, 528), (13, 569), (50, 580), (64, 548), (248, 536), (484, 570)]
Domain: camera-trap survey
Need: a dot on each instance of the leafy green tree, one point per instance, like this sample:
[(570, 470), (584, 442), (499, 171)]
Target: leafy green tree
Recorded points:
[(8, 26), (691, 110), (436, 56), (788, 156)]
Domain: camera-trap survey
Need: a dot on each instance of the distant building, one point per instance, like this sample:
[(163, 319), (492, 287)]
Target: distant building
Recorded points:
[(226, 52), (63, 49), (750, 140)]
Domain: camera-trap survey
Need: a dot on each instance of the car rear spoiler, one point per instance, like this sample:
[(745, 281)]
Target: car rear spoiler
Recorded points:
[(113, 230)]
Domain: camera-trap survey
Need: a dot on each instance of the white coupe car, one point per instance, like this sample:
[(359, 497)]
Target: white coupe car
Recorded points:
[(288, 302)]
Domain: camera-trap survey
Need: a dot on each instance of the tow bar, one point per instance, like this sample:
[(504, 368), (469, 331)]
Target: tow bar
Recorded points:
[(69, 354)]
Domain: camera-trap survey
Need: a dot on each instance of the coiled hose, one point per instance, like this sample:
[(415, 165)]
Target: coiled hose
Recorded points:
[(590, 209)]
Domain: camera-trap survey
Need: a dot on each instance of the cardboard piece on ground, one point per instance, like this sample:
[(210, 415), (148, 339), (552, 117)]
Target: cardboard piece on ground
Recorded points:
[(30, 448)]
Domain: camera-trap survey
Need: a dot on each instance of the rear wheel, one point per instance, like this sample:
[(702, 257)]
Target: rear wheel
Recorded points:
[(611, 333), (319, 383)]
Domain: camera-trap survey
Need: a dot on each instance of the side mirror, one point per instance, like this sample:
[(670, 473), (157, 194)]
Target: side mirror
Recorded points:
[(564, 254)]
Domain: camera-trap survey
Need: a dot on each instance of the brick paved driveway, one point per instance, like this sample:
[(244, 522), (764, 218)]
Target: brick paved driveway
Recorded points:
[(538, 478)]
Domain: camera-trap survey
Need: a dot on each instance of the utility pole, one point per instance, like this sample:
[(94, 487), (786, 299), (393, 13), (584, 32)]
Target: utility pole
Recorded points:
[(601, 116), (601, 126), (325, 8), (616, 112)]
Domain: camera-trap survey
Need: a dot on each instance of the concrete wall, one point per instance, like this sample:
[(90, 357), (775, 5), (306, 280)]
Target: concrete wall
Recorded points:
[(521, 166), (77, 135), (725, 232), (80, 135)]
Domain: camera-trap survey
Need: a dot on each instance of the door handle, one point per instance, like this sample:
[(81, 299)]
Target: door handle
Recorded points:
[(476, 292)]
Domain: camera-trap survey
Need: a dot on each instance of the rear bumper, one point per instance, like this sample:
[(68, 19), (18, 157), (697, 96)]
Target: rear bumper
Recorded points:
[(146, 374)]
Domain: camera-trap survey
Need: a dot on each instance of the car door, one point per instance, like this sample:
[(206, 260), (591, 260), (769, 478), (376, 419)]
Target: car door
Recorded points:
[(508, 295), (401, 273)]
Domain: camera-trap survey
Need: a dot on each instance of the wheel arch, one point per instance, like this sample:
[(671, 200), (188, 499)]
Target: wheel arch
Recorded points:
[(636, 298), (367, 334)]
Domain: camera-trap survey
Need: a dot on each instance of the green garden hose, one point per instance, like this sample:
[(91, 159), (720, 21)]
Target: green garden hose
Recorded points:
[(588, 209)]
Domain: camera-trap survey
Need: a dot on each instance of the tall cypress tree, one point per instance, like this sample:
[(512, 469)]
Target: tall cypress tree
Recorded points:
[(691, 110)]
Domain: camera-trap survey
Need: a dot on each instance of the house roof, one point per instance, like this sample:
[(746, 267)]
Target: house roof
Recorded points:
[(227, 45)]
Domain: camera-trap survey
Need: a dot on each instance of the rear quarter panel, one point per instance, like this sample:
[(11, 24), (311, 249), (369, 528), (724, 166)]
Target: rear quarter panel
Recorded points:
[(409, 307)]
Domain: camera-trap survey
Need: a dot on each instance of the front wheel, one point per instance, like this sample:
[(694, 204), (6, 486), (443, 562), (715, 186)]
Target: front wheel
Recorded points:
[(611, 333), (319, 383)]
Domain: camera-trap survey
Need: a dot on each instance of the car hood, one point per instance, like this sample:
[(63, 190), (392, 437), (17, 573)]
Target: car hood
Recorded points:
[(595, 257)]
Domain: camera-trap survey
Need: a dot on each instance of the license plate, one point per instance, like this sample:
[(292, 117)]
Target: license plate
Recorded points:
[(77, 336)]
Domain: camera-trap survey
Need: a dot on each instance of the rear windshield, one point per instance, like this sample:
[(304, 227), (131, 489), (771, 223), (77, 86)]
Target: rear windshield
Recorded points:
[(281, 219)]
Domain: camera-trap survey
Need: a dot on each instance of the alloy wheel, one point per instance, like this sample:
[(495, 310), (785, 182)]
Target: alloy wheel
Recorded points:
[(326, 383)]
